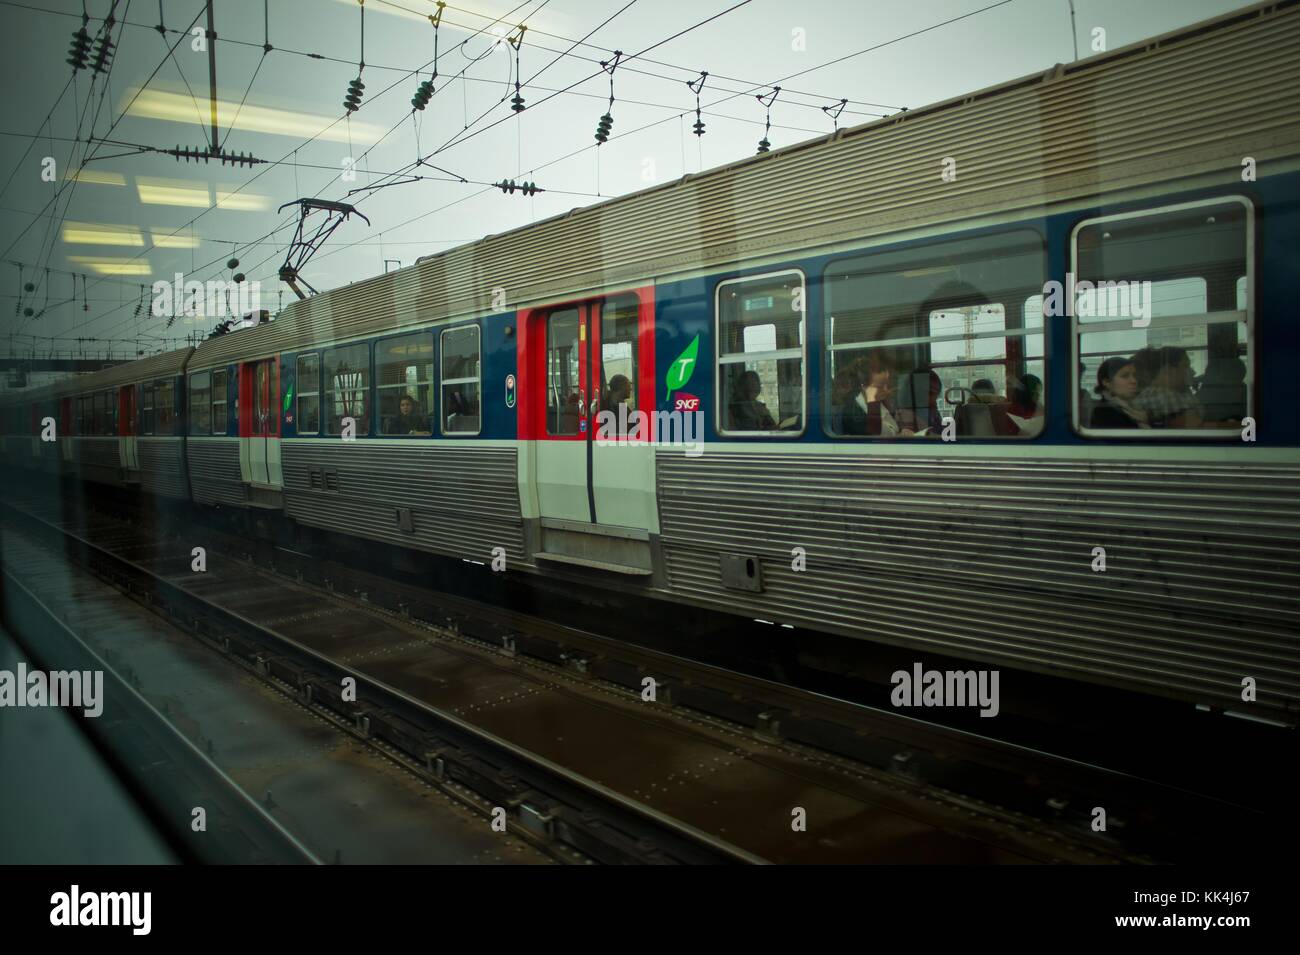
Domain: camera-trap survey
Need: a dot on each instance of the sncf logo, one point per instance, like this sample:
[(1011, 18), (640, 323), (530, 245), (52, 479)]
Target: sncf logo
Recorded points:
[(686, 402)]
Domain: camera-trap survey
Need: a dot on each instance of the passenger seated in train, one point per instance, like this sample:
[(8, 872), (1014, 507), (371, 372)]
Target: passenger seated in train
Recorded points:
[(1117, 387), (1222, 391), (1026, 408), (918, 402), (870, 409), (618, 392), (747, 412), (408, 420), (1164, 378)]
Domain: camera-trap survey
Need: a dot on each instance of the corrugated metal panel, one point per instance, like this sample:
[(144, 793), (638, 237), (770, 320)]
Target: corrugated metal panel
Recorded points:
[(1185, 105), (164, 365), (161, 467), (98, 459), (214, 471), (992, 560), (464, 500)]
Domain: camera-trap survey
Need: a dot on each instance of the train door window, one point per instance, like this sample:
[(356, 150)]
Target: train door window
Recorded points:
[(347, 387), (219, 402), (942, 330), (261, 397), (1162, 322), (164, 406), (110, 412), (201, 403), (308, 383), (619, 334), (563, 372), (760, 372), (146, 410), (460, 380), (81, 416), (404, 370)]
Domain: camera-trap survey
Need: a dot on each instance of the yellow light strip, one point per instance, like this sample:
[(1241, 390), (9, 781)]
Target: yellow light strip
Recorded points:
[(95, 177), (98, 233), (104, 266), (179, 108)]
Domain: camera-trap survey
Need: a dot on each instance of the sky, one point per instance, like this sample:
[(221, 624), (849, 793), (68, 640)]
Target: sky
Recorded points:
[(91, 221)]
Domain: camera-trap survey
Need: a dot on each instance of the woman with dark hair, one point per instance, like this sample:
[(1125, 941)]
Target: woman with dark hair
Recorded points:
[(1117, 386), (869, 409)]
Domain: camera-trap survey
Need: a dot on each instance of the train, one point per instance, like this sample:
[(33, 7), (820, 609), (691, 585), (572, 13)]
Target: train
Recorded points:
[(847, 386)]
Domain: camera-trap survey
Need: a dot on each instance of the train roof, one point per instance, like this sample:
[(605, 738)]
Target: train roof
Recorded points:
[(161, 365)]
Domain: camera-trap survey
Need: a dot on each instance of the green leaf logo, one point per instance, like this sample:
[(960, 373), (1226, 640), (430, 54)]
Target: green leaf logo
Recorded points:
[(288, 397), (680, 371)]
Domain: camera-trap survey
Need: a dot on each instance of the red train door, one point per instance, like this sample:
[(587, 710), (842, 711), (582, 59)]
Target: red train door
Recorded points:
[(259, 422), (126, 428), (586, 403)]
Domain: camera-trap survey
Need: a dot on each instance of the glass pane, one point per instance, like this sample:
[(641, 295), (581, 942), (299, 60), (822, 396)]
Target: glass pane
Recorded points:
[(309, 414), (307, 382), (1180, 253), (761, 315), (308, 375), (164, 407), (1169, 375), (201, 404), (460, 381), (760, 319), (618, 355), (562, 384), (347, 387), (763, 395), (1182, 376), (218, 402), (941, 330)]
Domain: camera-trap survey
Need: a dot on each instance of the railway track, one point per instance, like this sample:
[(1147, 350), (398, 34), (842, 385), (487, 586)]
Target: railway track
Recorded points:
[(554, 729)]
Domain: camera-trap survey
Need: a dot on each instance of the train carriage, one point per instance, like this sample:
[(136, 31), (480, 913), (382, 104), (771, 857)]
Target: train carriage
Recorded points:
[(993, 251)]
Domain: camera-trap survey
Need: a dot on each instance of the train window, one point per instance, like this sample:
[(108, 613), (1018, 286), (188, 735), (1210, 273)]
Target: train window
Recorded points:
[(219, 402), (164, 406), (563, 384), (460, 380), (201, 403), (619, 331), (405, 379), (81, 416), (945, 330), (146, 410), (347, 387), (760, 371), (1162, 322), (308, 383)]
